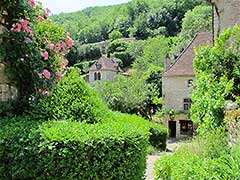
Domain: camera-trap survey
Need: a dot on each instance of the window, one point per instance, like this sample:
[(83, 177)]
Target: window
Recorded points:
[(186, 104), (186, 127), (99, 76), (95, 76), (190, 83)]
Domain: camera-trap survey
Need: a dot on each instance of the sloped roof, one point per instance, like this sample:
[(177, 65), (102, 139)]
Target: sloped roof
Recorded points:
[(183, 66), (105, 63)]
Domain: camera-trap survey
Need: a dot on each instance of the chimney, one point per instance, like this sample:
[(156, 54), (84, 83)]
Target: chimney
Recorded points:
[(167, 63)]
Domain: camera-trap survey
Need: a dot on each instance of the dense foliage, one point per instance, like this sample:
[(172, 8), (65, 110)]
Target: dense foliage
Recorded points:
[(69, 145), (138, 18), (194, 21), (38, 48), (73, 150), (71, 99), (158, 136), (217, 79), (206, 157)]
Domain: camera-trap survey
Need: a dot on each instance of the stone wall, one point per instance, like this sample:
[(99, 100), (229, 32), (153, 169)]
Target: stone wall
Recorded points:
[(229, 14), (232, 122), (7, 88)]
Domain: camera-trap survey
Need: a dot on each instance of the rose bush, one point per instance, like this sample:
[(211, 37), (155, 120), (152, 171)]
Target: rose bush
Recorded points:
[(34, 49)]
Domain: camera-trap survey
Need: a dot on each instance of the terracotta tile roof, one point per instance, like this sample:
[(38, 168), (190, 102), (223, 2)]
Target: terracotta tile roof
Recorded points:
[(105, 63), (183, 66)]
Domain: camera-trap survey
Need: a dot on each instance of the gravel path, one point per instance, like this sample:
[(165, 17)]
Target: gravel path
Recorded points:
[(171, 145)]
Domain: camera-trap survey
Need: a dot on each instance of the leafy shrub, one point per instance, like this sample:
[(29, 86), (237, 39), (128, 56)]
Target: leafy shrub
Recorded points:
[(202, 158), (18, 148), (72, 99), (217, 79), (73, 150), (158, 136)]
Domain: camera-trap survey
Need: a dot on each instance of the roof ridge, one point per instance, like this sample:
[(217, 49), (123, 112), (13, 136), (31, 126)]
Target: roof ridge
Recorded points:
[(190, 43)]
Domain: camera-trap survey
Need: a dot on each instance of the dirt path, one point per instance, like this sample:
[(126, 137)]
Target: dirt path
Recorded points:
[(171, 145)]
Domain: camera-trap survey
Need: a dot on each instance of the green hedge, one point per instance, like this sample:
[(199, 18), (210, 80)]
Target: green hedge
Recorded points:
[(72, 99), (158, 136), (73, 150), (18, 148)]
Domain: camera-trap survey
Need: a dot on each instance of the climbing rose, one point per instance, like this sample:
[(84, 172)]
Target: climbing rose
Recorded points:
[(40, 18), (69, 42), (44, 54), (64, 63), (59, 75), (32, 3), (46, 74), (44, 92), (24, 23), (51, 46), (16, 27)]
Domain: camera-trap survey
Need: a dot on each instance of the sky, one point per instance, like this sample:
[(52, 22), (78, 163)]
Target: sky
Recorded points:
[(58, 6)]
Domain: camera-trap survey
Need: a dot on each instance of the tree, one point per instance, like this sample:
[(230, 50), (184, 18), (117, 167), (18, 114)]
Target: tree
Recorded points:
[(217, 79), (154, 53), (115, 34)]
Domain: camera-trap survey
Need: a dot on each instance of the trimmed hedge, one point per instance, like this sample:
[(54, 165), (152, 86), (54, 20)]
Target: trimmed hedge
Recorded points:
[(158, 136), (115, 149), (18, 148), (72, 99)]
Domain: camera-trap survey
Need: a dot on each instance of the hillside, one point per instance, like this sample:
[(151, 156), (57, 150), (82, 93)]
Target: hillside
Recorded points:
[(138, 18)]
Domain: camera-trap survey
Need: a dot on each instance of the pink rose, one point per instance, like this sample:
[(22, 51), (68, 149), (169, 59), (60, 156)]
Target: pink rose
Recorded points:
[(16, 27), (59, 75), (51, 46), (43, 92), (32, 3), (57, 49), (62, 45), (64, 63), (24, 23), (69, 42), (44, 54), (46, 74), (40, 18)]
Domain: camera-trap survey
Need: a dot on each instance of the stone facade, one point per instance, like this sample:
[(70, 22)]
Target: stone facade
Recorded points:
[(105, 69), (105, 75), (7, 89), (175, 90), (226, 14)]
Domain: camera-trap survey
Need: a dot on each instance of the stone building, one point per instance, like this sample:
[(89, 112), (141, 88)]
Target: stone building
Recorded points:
[(177, 81), (177, 78), (105, 69)]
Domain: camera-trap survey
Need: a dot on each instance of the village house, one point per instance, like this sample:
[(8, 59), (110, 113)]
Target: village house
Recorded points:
[(105, 69), (177, 78), (176, 87)]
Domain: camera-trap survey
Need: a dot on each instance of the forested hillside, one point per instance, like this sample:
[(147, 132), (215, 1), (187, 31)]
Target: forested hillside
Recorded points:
[(138, 18)]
